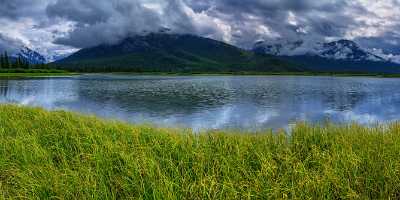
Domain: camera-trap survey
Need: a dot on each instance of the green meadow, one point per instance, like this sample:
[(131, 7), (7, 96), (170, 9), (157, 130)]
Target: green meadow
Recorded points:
[(64, 155)]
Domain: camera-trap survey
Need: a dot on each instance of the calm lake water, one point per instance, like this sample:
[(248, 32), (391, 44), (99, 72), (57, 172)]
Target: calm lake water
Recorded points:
[(214, 102)]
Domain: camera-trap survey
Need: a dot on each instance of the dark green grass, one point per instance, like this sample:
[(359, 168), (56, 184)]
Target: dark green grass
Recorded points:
[(32, 72), (62, 155)]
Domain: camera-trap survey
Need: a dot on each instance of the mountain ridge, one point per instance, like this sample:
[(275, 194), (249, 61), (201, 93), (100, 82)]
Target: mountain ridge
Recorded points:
[(172, 53), (336, 56), (337, 50), (166, 52)]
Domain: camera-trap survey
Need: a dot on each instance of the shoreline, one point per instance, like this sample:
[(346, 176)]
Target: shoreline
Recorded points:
[(251, 74), (44, 73), (27, 75)]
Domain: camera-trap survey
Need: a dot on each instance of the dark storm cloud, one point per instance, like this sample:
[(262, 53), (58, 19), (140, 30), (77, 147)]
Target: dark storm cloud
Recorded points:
[(10, 8), (9, 44), (235, 21), (390, 43), (99, 21), (15, 9), (322, 17), (110, 21), (312, 20)]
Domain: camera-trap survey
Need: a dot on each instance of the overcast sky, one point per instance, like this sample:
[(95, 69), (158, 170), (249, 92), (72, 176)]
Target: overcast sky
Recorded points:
[(62, 26)]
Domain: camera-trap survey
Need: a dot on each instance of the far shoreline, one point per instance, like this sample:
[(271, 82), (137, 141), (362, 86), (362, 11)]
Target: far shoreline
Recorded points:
[(22, 73), (56, 72), (325, 74)]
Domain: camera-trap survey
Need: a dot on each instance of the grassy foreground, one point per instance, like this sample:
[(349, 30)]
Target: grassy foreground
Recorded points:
[(63, 155)]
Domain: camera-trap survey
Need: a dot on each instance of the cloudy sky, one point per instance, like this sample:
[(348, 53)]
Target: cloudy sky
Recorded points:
[(61, 26)]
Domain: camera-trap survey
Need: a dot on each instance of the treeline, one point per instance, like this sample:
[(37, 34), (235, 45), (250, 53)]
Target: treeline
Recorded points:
[(7, 62), (134, 69)]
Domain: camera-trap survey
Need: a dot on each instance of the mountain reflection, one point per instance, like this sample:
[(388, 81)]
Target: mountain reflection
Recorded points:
[(3, 88), (213, 102)]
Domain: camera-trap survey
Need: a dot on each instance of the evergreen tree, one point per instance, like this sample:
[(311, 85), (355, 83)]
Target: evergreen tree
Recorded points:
[(16, 63), (19, 62), (22, 62), (43, 66), (1, 61), (13, 64), (25, 64), (28, 65), (6, 60)]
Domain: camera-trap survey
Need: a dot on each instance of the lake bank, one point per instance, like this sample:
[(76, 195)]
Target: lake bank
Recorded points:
[(21, 73), (254, 74), (66, 155), (55, 72)]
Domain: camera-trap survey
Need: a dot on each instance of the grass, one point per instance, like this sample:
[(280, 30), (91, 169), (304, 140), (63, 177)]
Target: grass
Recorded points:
[(63, 155), (32, 72)]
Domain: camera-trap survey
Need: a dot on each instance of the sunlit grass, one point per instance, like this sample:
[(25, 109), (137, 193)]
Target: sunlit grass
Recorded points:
[(63, 155)]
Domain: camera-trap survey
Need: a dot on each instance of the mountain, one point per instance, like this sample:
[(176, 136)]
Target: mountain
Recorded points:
[(279, 47), (29, 55), (337, 56), (347, 50), (337, 50), (165, 52), (386, 55), (55, 56)]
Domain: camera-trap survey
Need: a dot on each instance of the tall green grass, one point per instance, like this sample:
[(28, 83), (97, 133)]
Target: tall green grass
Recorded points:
[(62, 155)]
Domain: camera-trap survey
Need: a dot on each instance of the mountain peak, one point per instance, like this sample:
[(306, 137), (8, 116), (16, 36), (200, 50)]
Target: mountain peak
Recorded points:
[(337, 50), (30, 55), (347, 50), (278, 47), (344, 42)]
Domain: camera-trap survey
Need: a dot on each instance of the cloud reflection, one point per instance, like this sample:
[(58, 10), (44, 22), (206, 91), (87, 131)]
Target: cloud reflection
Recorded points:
[(200, 103)]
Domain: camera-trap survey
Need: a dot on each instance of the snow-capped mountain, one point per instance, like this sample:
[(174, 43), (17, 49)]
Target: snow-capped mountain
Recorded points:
[(347, 50), (344, 50), (280, 47), (338, 56), (387, 56), (57, 56), (30, 55)]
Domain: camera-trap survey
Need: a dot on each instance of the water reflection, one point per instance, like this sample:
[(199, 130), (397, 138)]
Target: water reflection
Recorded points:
[(214, 102)]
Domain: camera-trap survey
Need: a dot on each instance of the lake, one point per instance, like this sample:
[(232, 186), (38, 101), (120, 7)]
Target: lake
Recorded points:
[(214, 102)]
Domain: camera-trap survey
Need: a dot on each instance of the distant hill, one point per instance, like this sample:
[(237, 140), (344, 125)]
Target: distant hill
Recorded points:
[(163, 52), (337, 56)]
